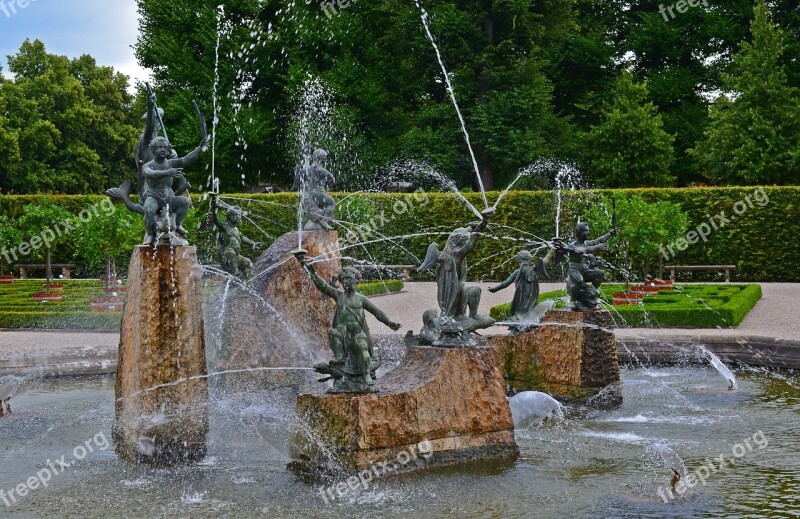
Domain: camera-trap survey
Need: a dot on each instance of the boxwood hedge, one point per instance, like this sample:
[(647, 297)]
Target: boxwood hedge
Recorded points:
[(761, 242)]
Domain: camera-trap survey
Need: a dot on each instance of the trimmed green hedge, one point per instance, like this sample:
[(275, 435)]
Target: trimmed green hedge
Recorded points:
[(690, 306), (762, 242), (376, 288)]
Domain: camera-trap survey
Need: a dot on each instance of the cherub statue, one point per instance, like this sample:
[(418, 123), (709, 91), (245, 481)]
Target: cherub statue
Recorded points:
[(584, 277), (313, 181), (526, 278), (353, 368), (453, 296), (230, 239), (161, 183)]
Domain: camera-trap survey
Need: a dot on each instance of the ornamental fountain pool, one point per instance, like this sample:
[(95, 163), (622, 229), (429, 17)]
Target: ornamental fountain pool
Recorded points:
[(211, 405)]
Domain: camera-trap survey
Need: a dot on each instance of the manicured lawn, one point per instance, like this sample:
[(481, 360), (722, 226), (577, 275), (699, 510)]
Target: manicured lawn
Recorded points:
[(686, 306), (19, 310)]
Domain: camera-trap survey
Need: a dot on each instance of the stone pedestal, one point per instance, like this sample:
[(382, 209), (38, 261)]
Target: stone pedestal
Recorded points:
[(283, 322), (571, 354), (161, 391), (446, 404)]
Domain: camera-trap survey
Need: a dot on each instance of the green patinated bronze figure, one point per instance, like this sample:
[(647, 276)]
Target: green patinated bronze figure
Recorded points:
[(526, 280), (230, 239), (453, 327), (584, 277), (353, 367), (313, 181)]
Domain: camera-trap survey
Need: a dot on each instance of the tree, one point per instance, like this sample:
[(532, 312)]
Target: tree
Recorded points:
[(376, 58), (630, 146), (754, 135), (66, 125), (644, 228), (103, 240), (39, 222), (9, 237)]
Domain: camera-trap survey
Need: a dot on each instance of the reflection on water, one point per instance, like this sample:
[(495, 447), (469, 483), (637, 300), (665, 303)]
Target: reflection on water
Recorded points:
[(593, 464)]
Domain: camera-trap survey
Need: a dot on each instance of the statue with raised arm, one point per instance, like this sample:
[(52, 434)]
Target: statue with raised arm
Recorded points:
[(313, 181), (584, 277), (160, 180), (157, 194), (454, 297), (230, 239), (353, 368), (526, 280)]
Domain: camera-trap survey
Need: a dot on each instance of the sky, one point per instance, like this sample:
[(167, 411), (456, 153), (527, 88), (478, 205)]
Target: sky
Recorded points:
[(105, 29)]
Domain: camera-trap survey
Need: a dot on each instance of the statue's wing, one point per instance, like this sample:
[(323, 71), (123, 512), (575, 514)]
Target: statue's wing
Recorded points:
[(541, 269), (431, 257)]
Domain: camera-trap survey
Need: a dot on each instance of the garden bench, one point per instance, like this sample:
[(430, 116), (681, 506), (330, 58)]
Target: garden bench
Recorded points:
[(407, 269), (726, 268), (66, 269)]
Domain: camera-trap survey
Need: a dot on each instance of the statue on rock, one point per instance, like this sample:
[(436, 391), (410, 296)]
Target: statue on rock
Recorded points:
[(230, 239), (584, 276), (526, 279), (454, 326), (161, 201), (312, 180), (353, 368)]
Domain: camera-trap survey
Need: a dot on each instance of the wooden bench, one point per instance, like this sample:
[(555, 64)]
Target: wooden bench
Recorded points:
[(66, 269), (726, 268), (407, 269)]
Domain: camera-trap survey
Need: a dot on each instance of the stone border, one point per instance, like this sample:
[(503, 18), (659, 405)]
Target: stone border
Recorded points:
[(748, 350)]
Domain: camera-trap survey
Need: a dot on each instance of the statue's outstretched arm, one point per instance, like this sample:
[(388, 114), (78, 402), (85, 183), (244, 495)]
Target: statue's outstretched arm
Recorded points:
[(192, 157), (507, 283), (320, 283), (370, 307)]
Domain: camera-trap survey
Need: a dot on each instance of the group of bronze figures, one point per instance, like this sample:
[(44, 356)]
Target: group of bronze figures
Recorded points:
[(164, 203)]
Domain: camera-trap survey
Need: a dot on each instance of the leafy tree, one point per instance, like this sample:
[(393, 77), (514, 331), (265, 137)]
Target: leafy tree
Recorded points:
[(40, 220), (66, 125), (105, 239), (630, 145), (9, 237), (754, 135), (377, 60), (644, 228)]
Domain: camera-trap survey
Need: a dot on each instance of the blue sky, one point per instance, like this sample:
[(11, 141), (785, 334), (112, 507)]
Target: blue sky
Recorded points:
[(106, 29)]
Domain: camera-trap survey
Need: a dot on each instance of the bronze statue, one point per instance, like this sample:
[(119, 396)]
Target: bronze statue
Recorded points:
[(454, 297), (159, 175), (584, 276), (526, 278), (353, 368), (313, 181), (158, 167), (230, 239)]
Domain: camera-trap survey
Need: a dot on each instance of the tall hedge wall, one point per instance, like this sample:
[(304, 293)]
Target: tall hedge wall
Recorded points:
[(763, 242)]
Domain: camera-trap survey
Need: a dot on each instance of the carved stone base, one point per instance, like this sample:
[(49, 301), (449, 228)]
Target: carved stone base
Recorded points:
[(161, 392), (451, 400), (571, 354)]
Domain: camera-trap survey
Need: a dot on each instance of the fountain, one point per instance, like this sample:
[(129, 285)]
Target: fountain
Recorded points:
[(161, 395), (567, 353)]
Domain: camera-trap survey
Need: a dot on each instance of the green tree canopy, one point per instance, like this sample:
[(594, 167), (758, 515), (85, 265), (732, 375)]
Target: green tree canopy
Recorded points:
[(754, 135), (630, 145), (65, 125)]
